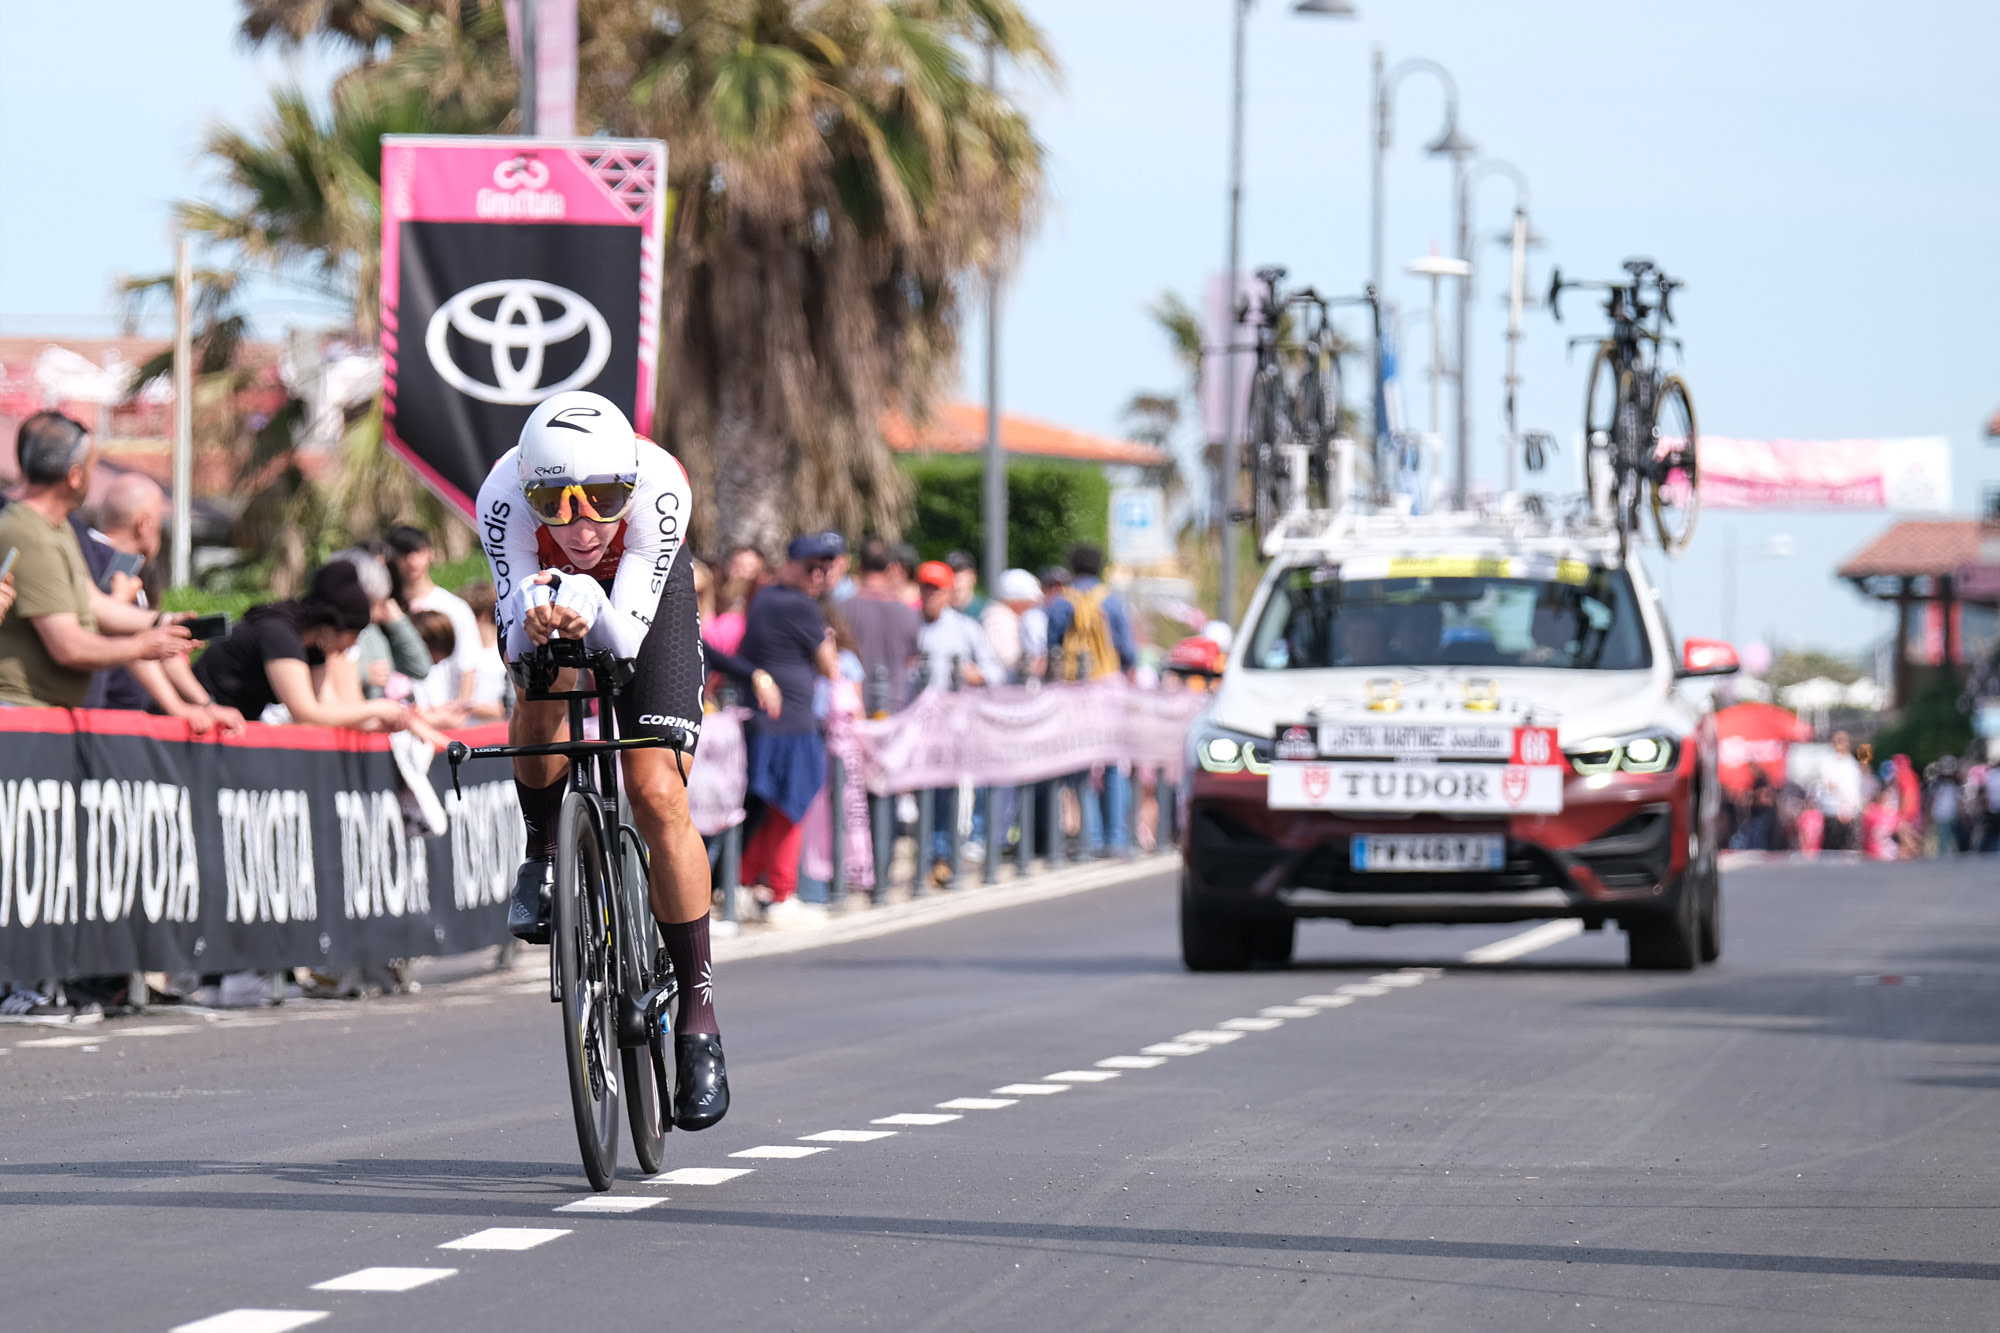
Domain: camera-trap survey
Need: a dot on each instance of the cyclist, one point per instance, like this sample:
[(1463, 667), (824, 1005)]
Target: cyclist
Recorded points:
[(582, 523)]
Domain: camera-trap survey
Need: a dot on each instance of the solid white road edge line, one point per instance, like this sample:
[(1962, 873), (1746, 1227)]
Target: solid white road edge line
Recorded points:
[(1527, 942)]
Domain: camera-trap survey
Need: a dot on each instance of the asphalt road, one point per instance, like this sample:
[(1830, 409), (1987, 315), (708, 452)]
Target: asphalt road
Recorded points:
[(1782, 1141)]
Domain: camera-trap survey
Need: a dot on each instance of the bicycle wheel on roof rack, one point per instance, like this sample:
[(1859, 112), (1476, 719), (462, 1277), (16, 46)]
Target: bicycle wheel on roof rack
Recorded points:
[(1269, 410), (1675, 466)]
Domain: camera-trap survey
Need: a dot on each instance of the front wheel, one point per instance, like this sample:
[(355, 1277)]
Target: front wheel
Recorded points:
[(1212, 941), (1675, 466), (582, 947)]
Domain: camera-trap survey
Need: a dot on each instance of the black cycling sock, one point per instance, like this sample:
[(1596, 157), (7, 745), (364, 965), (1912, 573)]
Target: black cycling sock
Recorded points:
[(541, 807), (687, 945)]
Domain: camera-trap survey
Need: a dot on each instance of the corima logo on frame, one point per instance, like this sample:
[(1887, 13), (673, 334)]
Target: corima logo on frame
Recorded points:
[(516, 324)]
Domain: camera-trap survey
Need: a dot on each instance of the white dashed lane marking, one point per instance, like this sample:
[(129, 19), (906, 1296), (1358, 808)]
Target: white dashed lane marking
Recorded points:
[(1527, 942), (506, 1238), (1151, 1057), (384, 1279), (253, 1321), (699, 1175), (613, 1203)]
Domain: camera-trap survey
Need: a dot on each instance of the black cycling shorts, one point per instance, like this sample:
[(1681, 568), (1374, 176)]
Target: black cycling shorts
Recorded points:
[(665, 693)]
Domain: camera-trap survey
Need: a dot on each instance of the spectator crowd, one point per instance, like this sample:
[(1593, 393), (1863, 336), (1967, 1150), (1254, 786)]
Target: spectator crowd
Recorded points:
[(373, 643), (1843, 799)]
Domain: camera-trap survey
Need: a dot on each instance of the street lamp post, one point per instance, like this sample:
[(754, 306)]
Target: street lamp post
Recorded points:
[(1467, 205), (994, 491), (1460, 150), (1383, 86)]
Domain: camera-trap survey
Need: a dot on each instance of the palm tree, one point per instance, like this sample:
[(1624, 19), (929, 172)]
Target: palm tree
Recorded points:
[(837, 172)]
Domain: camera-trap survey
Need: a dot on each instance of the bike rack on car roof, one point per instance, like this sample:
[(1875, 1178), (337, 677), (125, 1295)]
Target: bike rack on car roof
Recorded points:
[(1320, 530)]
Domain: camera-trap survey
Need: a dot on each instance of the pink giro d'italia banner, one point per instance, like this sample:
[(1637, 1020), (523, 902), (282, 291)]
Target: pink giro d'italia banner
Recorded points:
[(513, 269), (1909, 475)]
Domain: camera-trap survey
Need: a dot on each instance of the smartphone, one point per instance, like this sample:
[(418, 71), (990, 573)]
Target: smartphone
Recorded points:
[(212, 626), (122, 562), (7, 565)]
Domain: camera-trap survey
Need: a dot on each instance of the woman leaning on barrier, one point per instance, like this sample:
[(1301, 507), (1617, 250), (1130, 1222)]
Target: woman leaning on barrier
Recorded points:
[(278, 654)]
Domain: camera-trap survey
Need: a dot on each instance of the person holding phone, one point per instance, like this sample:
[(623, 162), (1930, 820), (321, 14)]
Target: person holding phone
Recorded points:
[(61, 628), (131, 519)]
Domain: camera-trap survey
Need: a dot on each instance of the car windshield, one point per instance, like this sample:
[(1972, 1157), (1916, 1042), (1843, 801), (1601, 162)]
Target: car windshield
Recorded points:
[(1451, 611)]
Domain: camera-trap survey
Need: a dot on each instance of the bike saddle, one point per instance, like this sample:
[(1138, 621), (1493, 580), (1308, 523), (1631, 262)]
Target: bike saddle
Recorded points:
[(1270, 274), (1639, 267)]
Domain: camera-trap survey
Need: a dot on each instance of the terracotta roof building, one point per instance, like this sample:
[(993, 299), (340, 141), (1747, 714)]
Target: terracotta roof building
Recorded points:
[(1933, 570), (960, 428)]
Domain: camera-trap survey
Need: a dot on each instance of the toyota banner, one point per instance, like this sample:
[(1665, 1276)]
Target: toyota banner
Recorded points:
[(513, 269)]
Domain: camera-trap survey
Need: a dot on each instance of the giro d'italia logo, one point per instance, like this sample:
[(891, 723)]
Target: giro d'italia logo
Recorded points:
[(508, 328)]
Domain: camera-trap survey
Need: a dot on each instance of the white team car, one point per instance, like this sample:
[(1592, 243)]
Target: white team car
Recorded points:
[(1453, 718)]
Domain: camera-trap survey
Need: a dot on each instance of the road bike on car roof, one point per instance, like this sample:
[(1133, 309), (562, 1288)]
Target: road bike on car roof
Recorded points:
[(1638, 418), (606, 967), (1294, 396)]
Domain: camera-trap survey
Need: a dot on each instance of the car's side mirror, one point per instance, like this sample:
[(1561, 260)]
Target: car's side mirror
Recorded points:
[(1708, 657)]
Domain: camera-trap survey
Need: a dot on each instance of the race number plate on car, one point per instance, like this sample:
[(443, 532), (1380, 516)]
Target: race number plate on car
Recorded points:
[(1467, 789), (1379, 853)]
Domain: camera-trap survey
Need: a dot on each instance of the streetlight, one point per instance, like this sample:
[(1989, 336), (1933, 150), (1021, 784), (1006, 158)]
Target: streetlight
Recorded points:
[(1460, 150), (1467, 203), (1231, 455), (1384, 87), (1437, 268)]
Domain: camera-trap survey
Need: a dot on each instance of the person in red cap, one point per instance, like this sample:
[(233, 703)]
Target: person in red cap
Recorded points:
[(956, 653)]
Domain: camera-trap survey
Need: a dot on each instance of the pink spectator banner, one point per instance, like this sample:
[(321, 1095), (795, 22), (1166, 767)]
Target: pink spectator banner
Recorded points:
[(512, 270), (1006, 737), (1908, 475)]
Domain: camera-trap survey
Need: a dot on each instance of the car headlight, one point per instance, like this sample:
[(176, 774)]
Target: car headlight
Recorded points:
[(1647, 752), (1220, 750)]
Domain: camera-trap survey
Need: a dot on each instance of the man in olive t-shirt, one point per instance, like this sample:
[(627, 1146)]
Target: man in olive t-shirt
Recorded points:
[(52, 579), (49, 639)]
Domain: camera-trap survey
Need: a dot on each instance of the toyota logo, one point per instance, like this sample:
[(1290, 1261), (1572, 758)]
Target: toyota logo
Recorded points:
[(517, 324), (516, 172)]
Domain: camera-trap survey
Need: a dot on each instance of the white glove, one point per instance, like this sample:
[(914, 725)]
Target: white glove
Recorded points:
[(585, 596)]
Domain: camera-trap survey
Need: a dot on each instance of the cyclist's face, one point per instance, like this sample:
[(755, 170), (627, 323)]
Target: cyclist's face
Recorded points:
[(584, 541)]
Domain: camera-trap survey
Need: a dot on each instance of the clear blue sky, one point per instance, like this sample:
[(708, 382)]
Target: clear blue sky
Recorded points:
[(1823, 175)]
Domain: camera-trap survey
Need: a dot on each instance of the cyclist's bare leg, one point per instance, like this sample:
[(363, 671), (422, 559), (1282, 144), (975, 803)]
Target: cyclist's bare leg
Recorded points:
[(538, 784), (679, 892), (680, 889)]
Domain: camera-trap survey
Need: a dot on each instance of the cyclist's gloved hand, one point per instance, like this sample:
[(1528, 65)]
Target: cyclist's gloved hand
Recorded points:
[(586, 597)]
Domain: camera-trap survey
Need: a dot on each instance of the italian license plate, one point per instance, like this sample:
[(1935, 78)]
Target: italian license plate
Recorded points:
[(1388, 853)]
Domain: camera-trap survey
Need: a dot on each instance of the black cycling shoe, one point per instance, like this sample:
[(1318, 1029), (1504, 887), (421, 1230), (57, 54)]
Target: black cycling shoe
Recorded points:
[(701, 1084), (528, 913)]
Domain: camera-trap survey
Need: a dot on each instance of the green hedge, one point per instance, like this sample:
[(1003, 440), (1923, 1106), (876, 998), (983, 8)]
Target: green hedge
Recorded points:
[(1050, 507), (451, 576)]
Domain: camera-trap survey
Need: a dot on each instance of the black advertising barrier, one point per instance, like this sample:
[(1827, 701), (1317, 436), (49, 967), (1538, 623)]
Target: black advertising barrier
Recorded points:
[(512, 270), (127, 845)]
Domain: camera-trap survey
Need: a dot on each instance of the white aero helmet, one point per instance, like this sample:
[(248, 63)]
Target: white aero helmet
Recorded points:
[(579, 458)]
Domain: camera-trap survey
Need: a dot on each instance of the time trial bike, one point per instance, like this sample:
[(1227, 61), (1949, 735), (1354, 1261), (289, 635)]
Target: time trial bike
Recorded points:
[(607, 968)]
